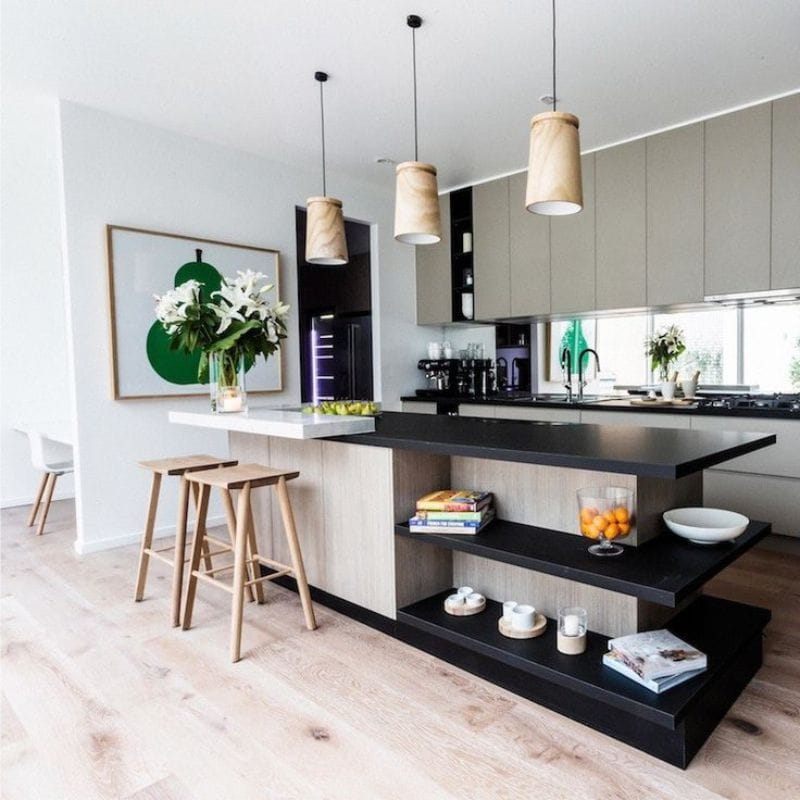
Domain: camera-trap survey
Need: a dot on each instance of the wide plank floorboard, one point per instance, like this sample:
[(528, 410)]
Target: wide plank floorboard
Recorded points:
[(103, 699)]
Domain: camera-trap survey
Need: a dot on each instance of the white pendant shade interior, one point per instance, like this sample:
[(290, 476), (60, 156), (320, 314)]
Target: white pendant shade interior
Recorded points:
[(416, 212), (554, 186), (326, 243)]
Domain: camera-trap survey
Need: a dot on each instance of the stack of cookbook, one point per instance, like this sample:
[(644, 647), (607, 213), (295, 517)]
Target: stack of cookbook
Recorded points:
[(657, 660), (452, 511)]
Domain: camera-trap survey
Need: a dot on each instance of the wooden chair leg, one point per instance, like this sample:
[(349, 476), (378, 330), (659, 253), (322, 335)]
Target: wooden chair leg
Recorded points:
[(230, 515), (194, 561), (297, 556), (206, 549), (38, 500), (180, 547), (147, 537), (48, 496), (239, 571), (252, 551)]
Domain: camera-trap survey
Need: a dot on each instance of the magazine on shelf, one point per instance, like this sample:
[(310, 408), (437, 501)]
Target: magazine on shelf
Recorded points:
[(657, 685), (418, 525), (454, 500), (657, 654)]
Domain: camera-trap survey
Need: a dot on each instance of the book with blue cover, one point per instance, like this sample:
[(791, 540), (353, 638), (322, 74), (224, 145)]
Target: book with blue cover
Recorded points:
[(419, 524)]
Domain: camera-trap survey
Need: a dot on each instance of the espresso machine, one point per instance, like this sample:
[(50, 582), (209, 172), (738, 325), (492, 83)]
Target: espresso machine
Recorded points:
[(476, 377), (442, 375)]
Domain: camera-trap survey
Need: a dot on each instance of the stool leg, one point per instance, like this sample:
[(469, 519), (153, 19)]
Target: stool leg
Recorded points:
[(230, 515), (48, 496), (297, 556), (206, 550), (147, 537), (38, 500), (194, 561), (180, 548), (239, 571), (252, 547)]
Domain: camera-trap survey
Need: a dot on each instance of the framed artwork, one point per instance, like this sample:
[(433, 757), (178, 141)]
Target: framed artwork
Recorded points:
[(144, 263), (574, 334)]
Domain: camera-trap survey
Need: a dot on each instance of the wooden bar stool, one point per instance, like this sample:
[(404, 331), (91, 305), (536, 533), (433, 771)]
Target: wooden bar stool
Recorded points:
[(180, 467), (245, 478)]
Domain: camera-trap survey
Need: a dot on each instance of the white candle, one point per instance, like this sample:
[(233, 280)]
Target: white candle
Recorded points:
[(232, 402), (572, 625)]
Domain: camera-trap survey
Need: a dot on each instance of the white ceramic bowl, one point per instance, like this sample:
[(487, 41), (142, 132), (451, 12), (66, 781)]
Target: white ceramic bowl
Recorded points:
[(705, 525)]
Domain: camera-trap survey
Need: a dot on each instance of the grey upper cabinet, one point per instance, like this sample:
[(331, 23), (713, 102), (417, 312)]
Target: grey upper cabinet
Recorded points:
[(490, 250), (621, 226), (675, 216), (737, 201), (434, 275), (786, 193), (572, 252), (529, 253)]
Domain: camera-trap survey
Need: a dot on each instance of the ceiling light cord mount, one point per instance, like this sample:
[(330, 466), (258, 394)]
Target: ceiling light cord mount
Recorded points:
[(554, 186), (417, 218), (326, 243)]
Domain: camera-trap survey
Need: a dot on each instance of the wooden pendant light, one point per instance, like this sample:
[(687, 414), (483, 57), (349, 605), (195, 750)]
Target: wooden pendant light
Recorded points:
[(554, 165), (554, 184), (326, 243), (417, 219)]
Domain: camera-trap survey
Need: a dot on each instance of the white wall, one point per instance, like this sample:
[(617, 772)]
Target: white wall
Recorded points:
[(33, 362), (127, 173)]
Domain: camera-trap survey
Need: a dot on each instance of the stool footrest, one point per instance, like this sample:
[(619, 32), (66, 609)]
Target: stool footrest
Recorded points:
[(270, 577), (204, 576), (219, 543), (157, 555)]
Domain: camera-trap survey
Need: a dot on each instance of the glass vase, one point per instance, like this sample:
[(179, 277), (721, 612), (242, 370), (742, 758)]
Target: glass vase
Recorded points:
[(226, 371)]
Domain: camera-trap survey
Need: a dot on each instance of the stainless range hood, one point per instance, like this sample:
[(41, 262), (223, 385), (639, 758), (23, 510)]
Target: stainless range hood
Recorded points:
[(769, 297)]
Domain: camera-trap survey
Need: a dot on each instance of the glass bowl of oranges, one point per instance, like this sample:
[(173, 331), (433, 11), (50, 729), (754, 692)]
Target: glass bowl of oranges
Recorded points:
[(605, 513)]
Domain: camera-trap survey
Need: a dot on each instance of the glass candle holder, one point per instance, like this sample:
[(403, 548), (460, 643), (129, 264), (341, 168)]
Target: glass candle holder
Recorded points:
[(572, 626)]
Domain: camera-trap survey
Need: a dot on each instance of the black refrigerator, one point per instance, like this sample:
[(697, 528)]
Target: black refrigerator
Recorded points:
[(341, 357)]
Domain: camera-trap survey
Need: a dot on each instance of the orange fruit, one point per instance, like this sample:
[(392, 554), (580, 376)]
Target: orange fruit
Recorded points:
[(612, 531), (600, 522), (587, 515), (621, 514), (592, 532), (609, 515), (624, 528)]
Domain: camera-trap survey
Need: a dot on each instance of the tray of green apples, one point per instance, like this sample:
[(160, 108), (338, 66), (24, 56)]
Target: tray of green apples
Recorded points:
[(345, 408)]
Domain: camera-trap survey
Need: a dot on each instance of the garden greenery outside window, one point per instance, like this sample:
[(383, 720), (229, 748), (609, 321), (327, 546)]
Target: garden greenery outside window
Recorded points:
[(754, 348)]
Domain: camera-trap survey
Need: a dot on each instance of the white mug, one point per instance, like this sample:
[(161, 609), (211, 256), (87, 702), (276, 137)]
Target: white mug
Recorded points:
[(475, 599), (689, 387), (522, 617), (464, 591), (434, 350), (467, 305), (456, 600), (508, 609)]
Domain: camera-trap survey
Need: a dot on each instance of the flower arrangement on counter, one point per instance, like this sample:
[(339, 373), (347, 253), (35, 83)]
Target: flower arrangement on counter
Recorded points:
[(231, 327), (664, 348)]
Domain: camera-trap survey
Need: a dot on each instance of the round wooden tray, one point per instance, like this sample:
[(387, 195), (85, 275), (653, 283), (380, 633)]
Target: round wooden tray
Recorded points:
[(539, 626), (464, 610)]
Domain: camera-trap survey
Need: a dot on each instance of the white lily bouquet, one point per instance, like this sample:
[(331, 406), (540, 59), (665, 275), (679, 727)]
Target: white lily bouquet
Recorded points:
[(231, 326), (663, 348)]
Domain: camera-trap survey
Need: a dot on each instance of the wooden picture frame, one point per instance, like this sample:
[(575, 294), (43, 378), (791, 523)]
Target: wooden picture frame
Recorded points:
[(142, 263)]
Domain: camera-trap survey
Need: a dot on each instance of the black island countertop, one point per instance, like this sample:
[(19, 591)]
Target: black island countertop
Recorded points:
[(628, 449)]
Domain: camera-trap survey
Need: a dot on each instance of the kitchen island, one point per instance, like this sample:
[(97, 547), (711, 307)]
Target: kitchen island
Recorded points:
[(356, 492)]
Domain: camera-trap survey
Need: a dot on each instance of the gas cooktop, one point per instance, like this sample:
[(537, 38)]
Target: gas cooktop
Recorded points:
[(753, 402)]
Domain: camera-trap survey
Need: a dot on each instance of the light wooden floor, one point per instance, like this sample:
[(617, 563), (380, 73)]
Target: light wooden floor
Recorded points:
[(102, 699)]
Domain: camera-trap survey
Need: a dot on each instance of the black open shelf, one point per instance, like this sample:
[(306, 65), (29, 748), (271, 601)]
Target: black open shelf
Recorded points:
[(717, 627), (671, 726), (665, 570)]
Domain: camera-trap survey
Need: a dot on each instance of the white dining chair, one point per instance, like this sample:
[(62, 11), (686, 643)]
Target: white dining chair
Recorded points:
[(52, 459)]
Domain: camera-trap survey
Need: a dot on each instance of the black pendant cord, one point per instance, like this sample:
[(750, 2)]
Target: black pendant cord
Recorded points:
[(414, 62), (554, 56), (322, 118)]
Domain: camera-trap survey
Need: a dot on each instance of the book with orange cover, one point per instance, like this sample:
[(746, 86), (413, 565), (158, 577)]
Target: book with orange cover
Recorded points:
[(454, 500)]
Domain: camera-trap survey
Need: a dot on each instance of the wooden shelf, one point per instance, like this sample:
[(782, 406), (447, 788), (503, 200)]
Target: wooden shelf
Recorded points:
[(671, 726), (665, 570)]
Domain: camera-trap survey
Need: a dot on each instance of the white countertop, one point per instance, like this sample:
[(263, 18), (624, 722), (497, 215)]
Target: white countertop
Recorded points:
[(288, 424)]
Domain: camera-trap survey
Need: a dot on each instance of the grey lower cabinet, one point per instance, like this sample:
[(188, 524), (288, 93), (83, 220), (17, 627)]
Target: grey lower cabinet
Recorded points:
[(572, 252), (529, 253), (620, 201), (675, 216), (492, 285), (434, 275), (415, 407), (737, 177), (786, 193), (541, 414), (639, 418)]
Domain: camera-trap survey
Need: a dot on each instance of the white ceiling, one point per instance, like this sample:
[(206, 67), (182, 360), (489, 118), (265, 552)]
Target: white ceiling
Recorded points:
[(240, 72)]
